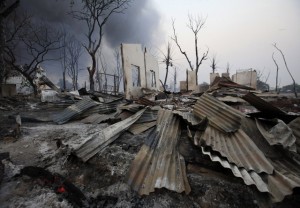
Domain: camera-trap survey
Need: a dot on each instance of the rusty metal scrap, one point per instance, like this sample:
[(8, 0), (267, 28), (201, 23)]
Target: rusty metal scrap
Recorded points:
[(74, 110), (280, 134), (189, 117), (220, 115), (238, 148), (138, 128), (158, 163), (99, 141)]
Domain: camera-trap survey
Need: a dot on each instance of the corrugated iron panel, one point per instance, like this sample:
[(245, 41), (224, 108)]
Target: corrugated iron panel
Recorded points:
[(101, 108), (97, 118), (231, 99), (295, 126), (238, 148), (158, 164), (131, 107), (148, 115), (145, 101), (280, 134), (74, 110), (220, 115), (189, 117), (261, 105), (279, 184), (285, 178), (99, 141), (138, 128), (249, 177)]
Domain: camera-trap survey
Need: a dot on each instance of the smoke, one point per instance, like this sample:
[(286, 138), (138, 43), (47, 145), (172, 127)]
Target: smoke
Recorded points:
[(139, 24)]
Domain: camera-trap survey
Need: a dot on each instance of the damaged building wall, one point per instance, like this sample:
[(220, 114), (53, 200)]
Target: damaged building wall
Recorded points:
[(247, 78), (212, 77), (152, 72), (137, 66), (191, 80)]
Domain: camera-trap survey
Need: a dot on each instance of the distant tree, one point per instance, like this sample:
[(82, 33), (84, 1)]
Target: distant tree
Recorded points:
[(73, 53), (283, 57), (214, 63), (38, 39), (228, 68), (168, 61), (5, 12), (277, 68), (290, 88), (260, 83), (95, 14), (195, 24)]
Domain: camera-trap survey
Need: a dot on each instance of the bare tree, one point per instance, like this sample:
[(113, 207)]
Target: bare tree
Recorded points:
[(195, 24), (168, 61), (39, 41), (4, 13), (214, 63), (74, 51), (283, 57), (63, 53), (95, 14), (277, 68), (228, 68)]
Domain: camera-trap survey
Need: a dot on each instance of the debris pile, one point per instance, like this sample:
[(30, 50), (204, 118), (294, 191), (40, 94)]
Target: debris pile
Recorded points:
[(103, 150)]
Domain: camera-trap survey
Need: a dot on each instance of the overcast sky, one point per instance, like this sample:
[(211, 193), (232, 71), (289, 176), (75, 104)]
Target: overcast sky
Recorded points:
[(239, 32)]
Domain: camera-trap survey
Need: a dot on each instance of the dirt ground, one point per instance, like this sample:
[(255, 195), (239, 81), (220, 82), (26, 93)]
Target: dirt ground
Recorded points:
[(101, 179)]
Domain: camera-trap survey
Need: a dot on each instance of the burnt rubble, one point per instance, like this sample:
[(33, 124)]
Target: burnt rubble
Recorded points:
[(226, 147)]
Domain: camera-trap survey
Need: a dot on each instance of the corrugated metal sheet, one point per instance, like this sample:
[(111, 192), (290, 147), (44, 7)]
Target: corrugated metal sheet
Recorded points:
[(279, 184), (231, 99), (74, 110), (145, 101), (266, 109), (158, 164), (138, 128), (226, 82), (189, 117), (280, 134), (101, 108), (148, 115), (238, 148), (99, 141), (285, 178), (261, 105), (249, 177), (97, 118), (131, 107), (295, 126), (219, 114)]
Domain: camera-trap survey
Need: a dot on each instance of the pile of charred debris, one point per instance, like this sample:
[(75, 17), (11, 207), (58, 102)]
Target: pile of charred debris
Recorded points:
[(227, 147)]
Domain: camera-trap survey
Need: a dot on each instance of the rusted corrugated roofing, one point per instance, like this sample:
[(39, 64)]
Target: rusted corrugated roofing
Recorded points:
[(74, 110), (158, 164), (238, 148), (138, 128), (219, 114), (148, 115), (99, 141), (280, 134), (226, 82), (145, 101), (266, 109), (101, 108), (97, 118), (189, 117)]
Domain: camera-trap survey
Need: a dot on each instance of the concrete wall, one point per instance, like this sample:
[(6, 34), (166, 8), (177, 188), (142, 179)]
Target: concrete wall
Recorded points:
[(247, 78), (213, 76), (133, 56), (151, 69), (191, 78), (19, 81), (182, 86)]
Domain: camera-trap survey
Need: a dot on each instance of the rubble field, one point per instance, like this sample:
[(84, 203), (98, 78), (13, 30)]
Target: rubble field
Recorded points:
[(147, 153)]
